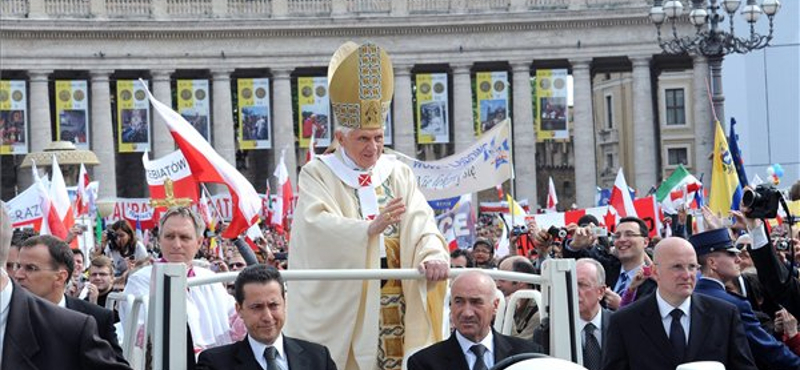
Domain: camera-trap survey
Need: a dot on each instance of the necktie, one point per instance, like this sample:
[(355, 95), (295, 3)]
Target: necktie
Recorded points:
[(591, 349), (622, 284), (270, 353), (676, 334), (479, 350)]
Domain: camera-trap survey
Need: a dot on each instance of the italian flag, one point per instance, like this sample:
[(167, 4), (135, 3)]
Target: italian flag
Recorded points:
[(678, 189)]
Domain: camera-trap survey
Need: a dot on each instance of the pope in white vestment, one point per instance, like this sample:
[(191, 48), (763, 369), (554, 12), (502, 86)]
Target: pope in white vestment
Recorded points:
[(359, 209)]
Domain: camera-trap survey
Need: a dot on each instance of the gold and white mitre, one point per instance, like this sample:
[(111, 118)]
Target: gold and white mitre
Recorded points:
[(361, 85)]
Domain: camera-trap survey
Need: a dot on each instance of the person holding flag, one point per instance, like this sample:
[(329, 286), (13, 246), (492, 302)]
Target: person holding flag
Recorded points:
[(361, 209)]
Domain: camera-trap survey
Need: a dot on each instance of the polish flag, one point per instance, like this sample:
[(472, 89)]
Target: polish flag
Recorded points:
[(173, 167), (251, 235), (58, 218), (208, 166), (284, 197), (552, 199), (82, 195), (621, 201)]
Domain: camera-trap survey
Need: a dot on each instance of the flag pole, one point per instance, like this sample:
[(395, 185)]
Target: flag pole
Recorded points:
[(513, 180)]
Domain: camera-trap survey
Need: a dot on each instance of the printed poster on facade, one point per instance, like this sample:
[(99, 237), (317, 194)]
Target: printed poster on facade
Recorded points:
[(255, 123), (552, 114), (133, 117), (388, 132), (314, 111), (433, 124), (194, 106), (72, 115), (492, 96), (13, 117)]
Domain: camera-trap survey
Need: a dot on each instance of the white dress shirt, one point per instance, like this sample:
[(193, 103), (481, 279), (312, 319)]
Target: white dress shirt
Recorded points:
[(5, 303), (466, 344), (259, 348), (664, 309), (597, 320)]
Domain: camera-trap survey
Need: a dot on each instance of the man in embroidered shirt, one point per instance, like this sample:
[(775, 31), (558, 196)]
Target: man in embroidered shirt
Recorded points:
[(361, 209)]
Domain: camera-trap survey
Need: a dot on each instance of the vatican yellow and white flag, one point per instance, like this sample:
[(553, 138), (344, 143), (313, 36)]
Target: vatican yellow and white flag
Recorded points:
[(492, 99), (255, 122), (194, 105), (133, 117), (433, 123), (72, 116), (13, 117)]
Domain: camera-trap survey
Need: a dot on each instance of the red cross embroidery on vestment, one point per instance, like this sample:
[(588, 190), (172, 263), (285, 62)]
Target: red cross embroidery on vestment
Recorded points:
[(364, 180)]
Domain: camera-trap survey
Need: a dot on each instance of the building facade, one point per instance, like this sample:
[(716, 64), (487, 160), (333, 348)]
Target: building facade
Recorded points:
[(608, 47)]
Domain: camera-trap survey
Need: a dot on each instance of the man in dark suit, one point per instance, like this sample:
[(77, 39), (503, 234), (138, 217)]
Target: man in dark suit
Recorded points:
[(719, 261), (261, 303), (630, 240), (674, 326), (35, 334), (46, 267), (593, 319), (473, 345)]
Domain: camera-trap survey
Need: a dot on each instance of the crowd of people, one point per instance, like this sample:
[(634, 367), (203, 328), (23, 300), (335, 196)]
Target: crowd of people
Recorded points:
[(729, 293)]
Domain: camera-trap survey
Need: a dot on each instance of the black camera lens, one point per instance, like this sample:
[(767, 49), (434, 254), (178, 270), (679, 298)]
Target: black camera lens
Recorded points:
[(750, 197)]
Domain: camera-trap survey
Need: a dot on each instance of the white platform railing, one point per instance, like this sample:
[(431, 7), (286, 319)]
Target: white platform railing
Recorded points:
[(167, 309)]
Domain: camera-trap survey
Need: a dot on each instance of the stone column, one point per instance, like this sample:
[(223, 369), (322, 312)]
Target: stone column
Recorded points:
[(41, 133), (585, 171), (283, 123), (463, 120), (103, 134), (224, 137), (403, 119), (645, 148), (702, 119), (162, 91), (524, 134)]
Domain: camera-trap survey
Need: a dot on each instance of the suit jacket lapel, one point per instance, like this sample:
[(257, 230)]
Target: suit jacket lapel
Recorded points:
[(244, 356), (20, 343), (502, 348), (454, 356), (699, 326), (654, 329), (294, 355)]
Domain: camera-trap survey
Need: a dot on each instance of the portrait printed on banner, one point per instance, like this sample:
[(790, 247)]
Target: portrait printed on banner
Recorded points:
[(12, 127), (255, 121), (493, 112), (433, 117), (318, 121), (554, 113), (134, 126), (198, 121), (73, 125)]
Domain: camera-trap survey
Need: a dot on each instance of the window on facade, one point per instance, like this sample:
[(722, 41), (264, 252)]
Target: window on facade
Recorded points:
[(609, 160), (567, 189), (609, 112), (676, 156), (675, 106)]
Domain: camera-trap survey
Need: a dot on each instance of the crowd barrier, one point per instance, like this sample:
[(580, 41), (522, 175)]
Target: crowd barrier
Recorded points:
[(166, 321)]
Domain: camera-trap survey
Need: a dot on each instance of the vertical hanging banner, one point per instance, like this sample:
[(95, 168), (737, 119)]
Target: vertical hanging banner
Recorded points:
[(388, 132), (133, 117), (433, 124), (551, 109), (72, 118), (492, 100), (255, 125), (13, 117), (193, 105), (314, 110)]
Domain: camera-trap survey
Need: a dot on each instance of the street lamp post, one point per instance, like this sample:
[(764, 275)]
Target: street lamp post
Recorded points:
[(710, 40)]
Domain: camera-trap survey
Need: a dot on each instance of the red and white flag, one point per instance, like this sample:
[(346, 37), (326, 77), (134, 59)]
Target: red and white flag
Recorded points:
[(283, 201), (208, 166), (252, 235), (620, 202), (58, 218), (552, 199), (82, 195)]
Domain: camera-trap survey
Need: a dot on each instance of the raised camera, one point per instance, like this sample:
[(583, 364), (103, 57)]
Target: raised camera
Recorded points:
[(782, 245), (762, 202), (519, 230), (557, 232)]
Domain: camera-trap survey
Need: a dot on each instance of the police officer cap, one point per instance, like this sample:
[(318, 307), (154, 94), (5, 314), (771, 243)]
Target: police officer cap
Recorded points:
[(712, 241)]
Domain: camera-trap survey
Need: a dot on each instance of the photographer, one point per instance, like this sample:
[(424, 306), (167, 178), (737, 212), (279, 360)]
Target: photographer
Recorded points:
[(123, 248), (762, 203)]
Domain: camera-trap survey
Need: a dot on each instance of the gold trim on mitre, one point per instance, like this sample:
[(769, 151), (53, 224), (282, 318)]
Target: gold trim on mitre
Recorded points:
[(361, 85)]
